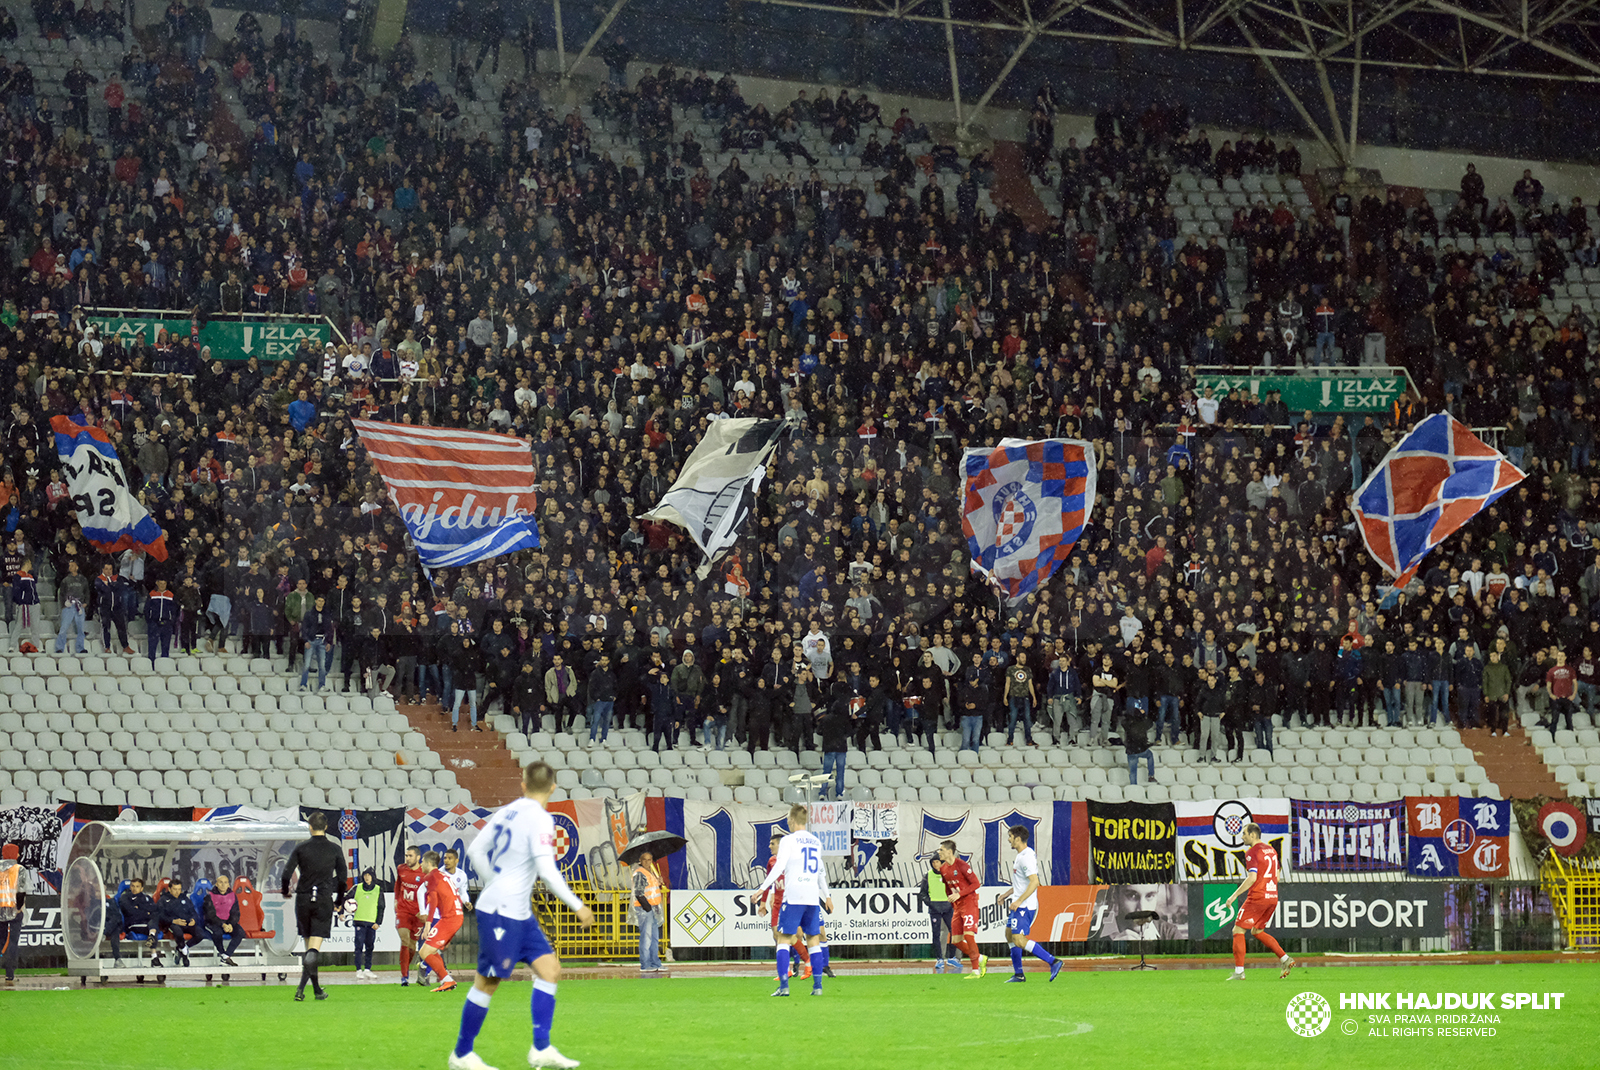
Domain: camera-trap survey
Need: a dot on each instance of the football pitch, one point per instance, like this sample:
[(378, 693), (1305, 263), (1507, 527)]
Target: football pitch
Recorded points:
[(1167, 1018)]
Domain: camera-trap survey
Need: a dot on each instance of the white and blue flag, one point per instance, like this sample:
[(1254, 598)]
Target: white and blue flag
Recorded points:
[(1025, 505), (111, 517)]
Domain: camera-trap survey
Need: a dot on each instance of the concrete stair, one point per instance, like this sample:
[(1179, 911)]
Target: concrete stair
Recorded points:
[(1512, 763), (1012, 185), (479, 760)]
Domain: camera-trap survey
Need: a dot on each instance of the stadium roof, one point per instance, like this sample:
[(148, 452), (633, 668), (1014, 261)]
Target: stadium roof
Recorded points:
[(1541, 40)]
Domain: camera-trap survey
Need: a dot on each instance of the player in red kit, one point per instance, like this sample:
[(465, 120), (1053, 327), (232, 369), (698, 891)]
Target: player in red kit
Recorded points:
[(963, 886), (802, 953), (1260, 891), (407, 879), (438, 894)]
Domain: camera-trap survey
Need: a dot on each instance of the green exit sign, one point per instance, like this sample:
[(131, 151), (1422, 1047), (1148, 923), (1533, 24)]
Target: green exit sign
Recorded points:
[(1371, 390)]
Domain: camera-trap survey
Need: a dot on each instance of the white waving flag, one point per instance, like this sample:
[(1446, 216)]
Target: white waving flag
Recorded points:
[(716, 489)]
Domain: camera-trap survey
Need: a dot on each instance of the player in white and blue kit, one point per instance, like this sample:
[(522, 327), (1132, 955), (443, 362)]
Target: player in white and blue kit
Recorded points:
[(515, 849), (805, 894), (1023, 905)]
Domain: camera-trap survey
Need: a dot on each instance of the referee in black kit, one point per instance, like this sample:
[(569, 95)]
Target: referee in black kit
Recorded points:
[(324, 878)]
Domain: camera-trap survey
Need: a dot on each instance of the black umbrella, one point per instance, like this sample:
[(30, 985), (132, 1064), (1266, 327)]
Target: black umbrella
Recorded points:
[(659, 844)]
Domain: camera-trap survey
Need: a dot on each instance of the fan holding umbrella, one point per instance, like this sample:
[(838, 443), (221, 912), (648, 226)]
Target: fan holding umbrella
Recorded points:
[(643, 853)]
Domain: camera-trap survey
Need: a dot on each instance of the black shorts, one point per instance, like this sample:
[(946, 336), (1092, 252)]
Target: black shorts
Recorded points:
[(313, 917)]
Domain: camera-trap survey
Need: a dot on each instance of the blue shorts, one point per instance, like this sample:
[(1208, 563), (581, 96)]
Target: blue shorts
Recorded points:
[(795, 918), (1020, 920), (504, 942)]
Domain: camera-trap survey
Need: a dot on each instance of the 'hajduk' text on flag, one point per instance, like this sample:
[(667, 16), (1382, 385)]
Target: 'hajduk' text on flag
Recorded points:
[(464, 495)]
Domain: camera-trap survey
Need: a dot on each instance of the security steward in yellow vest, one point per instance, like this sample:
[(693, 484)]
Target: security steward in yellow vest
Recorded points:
[(15, 884), (647, 913), (936, 898), (368, 897)]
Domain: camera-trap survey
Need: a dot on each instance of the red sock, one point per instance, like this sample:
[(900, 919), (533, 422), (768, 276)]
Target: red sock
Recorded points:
[(405, 960), (969, 944), (436, 963), (1238, 950), (803, 951), (1272, 944)]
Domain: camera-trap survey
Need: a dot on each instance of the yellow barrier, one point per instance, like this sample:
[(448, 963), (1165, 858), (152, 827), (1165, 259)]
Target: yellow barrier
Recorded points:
[(1573, 886), (612, 935)]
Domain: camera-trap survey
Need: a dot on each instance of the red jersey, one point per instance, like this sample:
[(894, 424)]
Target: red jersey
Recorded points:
[(777, 889), (959, 879), (406, 882), (1262, 860), (441, 895)]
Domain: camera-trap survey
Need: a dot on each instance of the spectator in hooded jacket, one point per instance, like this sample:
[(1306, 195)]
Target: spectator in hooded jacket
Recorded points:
[(461, 649)]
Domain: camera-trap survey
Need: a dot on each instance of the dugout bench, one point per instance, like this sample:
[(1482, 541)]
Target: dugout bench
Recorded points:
[(106, 855)]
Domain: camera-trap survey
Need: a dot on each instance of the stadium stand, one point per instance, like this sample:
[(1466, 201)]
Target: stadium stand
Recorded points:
[(337, 190)]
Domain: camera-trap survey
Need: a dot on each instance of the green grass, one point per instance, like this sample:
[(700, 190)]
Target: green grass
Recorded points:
[(1168, 1018)]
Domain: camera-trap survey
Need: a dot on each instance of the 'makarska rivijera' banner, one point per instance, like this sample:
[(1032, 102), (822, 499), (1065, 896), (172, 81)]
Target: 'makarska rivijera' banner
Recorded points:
[(1348, 837)]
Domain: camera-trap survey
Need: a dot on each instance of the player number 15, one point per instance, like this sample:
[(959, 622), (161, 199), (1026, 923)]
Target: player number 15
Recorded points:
[(811, 863)]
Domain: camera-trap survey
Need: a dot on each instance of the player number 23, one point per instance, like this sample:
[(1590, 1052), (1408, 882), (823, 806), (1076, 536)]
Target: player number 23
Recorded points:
[(809, 855)]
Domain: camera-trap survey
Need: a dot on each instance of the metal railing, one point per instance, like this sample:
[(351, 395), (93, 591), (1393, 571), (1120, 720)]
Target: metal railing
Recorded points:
[(1574, 889), (613, 935)]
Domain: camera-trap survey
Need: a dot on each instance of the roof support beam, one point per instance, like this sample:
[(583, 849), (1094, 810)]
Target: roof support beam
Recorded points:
[(594, 39), (999, 79), (1498, 27), (955, 75), (1288, 91)]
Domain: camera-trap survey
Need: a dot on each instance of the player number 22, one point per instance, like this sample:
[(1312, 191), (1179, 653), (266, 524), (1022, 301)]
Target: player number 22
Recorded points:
[(810, 856), (498, 845)]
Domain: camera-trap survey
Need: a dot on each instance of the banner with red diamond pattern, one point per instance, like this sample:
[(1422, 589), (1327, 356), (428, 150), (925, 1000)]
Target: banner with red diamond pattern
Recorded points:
[(1025, 504)]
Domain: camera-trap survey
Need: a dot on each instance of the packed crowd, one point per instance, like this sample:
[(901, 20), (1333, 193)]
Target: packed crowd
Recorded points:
[(519, 279)]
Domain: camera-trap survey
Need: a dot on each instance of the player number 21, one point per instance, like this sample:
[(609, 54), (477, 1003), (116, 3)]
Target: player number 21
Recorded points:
[(810, 856)]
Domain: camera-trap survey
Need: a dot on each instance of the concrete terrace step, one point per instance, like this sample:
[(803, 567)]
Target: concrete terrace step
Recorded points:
[(479, 760), (1511, 763)]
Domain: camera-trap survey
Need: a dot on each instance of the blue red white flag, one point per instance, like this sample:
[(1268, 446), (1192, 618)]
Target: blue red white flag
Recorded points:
[(1439, 477), (465, 495), (111, 517), (1448, 836), (1025, 505)]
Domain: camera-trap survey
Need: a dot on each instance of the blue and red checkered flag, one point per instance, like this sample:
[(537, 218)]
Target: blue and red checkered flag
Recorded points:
[(1439, 477), (1026, 503)]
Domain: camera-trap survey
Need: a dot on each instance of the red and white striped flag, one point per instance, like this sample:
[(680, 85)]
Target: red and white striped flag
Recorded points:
[(464, 495)]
